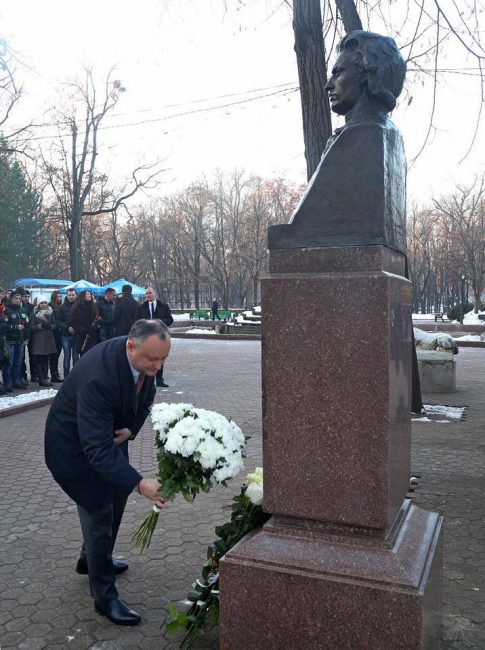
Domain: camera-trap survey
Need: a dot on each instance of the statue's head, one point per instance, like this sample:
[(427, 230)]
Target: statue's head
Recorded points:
[(367, 65)]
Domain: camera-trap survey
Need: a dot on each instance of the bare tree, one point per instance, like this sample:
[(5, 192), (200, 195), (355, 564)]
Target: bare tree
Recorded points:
[(463, 214), (79, 189)]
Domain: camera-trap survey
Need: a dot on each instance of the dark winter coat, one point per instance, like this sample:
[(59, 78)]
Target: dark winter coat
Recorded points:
[(86, 329), (162, 312), (42, 326), (3, 331), (97, 397), (16, 316), (107, 312), (62, 317), (125, 314)]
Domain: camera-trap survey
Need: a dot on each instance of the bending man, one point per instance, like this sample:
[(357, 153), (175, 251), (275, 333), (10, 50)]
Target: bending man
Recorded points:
[(101, 405)]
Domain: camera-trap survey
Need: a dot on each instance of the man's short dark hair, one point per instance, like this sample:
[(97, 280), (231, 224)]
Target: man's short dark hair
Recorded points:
[(142, 329), (126, 288), (109, 290)]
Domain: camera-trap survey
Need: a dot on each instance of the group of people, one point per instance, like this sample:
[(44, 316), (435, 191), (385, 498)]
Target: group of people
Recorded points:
[(46, 327)]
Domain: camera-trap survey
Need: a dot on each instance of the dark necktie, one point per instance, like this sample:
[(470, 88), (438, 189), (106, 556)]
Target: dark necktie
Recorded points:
[(139, 382), (151, 310)]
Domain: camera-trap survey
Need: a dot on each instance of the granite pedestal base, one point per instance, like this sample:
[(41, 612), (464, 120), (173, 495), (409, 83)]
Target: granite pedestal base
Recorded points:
[(299, 585)]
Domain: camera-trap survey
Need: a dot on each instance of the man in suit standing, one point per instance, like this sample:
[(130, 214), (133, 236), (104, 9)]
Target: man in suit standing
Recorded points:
[(125, 312), (101, 405), (154, 308)]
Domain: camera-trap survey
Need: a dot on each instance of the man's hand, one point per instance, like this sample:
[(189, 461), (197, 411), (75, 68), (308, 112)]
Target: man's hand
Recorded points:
[(70, 330), (121, 435), (150, 488)]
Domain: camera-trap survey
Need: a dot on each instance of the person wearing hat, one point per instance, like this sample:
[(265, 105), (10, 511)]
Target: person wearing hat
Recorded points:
[(43, 343), (16, 335), (125, 313)]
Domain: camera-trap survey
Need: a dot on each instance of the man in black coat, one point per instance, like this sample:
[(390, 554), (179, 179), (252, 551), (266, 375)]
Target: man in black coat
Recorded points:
[(154, 308), (107, 306), (102, 404), (125, 312)]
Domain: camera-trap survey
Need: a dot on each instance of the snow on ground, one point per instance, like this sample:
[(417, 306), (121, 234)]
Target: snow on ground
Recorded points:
[(472, 319), (26, 398), (423, 317), (451, 413), (468, 337), (199, 330), (181, 316)]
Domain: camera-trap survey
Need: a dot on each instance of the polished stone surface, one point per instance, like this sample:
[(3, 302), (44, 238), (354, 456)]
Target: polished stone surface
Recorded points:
[(336, 394), (323, 590)]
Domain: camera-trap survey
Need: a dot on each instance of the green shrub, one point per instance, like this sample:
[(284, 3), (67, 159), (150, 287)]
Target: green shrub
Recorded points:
[(453, 313)]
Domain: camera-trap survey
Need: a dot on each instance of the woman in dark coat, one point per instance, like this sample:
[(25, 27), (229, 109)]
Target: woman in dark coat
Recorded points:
[(55, 303), (42, 326), (83, 319)]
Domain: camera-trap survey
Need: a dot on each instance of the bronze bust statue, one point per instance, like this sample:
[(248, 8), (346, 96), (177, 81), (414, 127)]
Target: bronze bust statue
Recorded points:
[(357, 196)]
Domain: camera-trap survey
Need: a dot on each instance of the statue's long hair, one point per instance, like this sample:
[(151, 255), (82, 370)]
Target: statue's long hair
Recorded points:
[(381, 62)]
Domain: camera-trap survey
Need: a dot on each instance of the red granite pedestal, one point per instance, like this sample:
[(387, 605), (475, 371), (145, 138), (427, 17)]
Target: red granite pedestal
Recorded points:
[(346, 561)]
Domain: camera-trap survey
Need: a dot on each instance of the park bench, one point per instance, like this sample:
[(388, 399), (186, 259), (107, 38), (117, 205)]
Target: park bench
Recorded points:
[(225, 314), (200, 314), (438, 317)]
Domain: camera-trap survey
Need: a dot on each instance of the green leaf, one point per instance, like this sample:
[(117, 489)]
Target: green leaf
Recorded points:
[(173, 611)]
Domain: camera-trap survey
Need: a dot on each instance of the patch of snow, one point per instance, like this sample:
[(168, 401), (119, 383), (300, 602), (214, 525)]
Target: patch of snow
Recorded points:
[(468, 337), (257, 310), (472, 319), (423, 317), (450, 412), (200, 330), (181, 316), (26, 398), (425, 419)]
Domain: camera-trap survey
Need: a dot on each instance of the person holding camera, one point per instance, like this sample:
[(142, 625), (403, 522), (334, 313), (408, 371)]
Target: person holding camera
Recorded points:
[(43, 342)]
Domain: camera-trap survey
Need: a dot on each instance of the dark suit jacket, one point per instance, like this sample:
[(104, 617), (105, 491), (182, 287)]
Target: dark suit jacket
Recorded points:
[(162, 312), (97, 397), (125, 315)]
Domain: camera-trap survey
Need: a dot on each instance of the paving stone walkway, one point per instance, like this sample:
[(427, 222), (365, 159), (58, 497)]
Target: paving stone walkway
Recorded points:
[(44, 604)]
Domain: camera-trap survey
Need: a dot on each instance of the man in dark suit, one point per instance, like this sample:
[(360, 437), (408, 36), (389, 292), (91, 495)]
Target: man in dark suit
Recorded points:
[(102, 404), (125, 312), (154, 308)]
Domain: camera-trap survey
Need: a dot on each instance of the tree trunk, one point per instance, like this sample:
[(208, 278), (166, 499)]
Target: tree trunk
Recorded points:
[(349, 15), (75, 258), (312, 75)]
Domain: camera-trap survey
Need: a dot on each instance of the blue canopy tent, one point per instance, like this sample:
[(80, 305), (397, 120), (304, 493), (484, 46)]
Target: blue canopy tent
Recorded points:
[(137, 291), (80, 285), (39, 282), (37, 286)]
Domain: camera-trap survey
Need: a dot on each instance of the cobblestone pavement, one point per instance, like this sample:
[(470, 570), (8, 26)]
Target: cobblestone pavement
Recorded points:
[(44, 604)]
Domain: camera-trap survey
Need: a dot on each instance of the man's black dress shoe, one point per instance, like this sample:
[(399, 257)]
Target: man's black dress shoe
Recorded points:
[(162, 384), (118, 612), (118, 566)]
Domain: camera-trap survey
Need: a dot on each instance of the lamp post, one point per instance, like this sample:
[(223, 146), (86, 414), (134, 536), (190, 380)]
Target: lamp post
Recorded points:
[(462, 305)]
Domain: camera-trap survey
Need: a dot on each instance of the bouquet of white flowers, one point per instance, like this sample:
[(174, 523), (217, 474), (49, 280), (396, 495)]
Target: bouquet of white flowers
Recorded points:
[(194, 447)]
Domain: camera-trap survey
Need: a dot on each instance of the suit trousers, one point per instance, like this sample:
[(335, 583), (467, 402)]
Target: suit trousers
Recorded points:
[(99, 528)]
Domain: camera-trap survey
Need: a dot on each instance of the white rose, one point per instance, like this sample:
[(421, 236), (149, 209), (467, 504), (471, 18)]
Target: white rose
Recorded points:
[(254, 492)]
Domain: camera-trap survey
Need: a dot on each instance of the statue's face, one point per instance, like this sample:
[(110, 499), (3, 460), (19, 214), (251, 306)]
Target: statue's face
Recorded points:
[(345, 86)]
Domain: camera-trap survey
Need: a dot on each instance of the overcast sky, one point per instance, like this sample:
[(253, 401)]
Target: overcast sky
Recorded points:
[(207, 88)]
